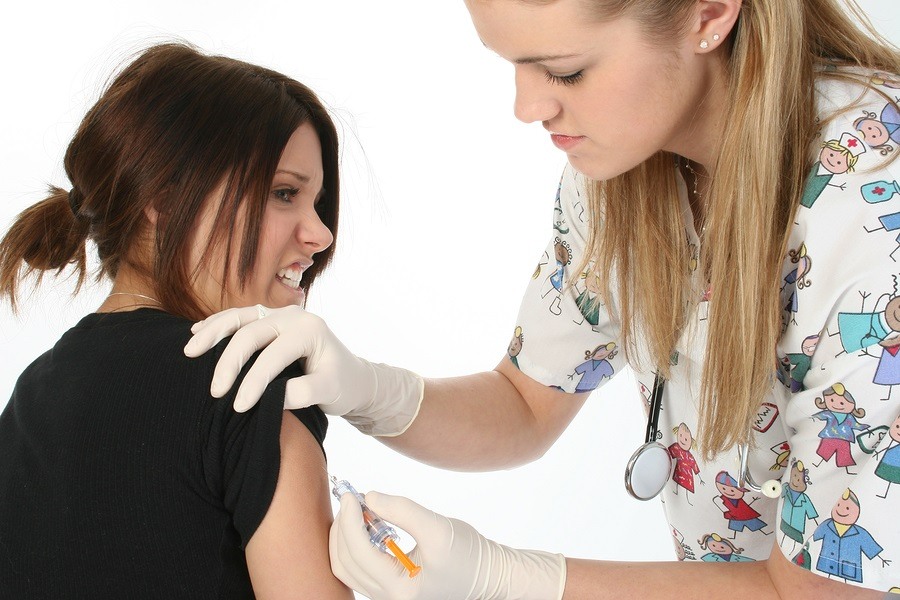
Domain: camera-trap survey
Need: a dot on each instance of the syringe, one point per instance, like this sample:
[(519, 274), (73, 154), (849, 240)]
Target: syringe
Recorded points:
[(383, 536)]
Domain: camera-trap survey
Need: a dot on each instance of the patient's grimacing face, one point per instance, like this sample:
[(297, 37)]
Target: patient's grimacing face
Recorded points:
[(291, 234)]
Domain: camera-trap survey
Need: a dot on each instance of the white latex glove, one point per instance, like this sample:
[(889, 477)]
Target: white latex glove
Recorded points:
[(377, 399), (457, 562)]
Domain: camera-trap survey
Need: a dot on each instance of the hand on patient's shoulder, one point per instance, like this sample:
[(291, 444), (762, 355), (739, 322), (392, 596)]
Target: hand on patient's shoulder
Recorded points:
[(377, 399)]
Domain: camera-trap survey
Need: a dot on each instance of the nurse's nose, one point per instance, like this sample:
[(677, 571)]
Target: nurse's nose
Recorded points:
[(535, 100)]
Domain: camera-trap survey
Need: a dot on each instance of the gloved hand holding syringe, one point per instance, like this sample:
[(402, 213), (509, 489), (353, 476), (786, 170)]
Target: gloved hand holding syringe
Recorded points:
[(383, 536)]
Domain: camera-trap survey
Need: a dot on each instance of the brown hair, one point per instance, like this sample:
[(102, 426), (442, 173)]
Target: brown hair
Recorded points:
[(172, 126)]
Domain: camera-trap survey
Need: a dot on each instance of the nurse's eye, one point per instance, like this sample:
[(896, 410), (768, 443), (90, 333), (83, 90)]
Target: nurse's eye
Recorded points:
[(564, 79), (285, 195)]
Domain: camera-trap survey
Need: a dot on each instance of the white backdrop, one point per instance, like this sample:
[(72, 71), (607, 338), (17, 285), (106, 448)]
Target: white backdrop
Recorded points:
[(446, 208)]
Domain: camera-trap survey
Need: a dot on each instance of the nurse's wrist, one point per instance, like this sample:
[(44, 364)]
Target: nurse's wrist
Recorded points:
[(396, 398)]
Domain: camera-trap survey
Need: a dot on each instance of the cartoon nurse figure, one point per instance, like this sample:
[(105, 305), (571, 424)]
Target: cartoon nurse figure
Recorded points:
[(720, 550), (844, 542), (557, 278), (796, 280), (836, 158), (880, 131), (515, 346), (735, 509), (685, 463), (797, 507), (595, 368), (889, 467), (838, 410)]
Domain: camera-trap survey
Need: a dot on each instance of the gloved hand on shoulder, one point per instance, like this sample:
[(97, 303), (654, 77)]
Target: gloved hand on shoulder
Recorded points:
[(377, 399)]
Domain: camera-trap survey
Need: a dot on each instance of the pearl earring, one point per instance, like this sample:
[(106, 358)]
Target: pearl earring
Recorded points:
[(704, 44)]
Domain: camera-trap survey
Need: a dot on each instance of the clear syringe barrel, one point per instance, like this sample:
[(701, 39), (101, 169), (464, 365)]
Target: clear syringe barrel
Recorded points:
[(379, 531)]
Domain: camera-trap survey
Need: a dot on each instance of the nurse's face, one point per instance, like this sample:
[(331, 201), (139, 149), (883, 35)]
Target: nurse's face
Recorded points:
[(609, 97)]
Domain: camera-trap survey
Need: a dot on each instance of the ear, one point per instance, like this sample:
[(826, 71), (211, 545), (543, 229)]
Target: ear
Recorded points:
[(152, 214), (713, 23)]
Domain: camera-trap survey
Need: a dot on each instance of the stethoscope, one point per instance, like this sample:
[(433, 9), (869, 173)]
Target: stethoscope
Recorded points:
[(651, 466)]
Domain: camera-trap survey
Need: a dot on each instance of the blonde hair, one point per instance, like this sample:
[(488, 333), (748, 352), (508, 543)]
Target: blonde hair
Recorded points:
[(762, 165)]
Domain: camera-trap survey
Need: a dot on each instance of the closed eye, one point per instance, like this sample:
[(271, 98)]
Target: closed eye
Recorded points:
[(564, 79)]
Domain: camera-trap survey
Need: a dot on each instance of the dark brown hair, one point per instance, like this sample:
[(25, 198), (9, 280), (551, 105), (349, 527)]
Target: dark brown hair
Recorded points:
[(171, 127)]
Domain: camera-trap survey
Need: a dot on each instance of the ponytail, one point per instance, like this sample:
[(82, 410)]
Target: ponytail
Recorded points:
[(47, 236)]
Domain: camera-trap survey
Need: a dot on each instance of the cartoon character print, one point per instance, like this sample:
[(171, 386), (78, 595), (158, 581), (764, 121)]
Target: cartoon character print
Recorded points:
[(737, 511), (596, 367), (588, 299), (859, 331), (889, 466), (875, 192), (686, 465), (885, 79), (795, 280), (720, 549), (838, 410), (837, 157), (879, 131), (797, 508), (844, 542), (682, 550), (557, 278), (515, 346), (797, 364)]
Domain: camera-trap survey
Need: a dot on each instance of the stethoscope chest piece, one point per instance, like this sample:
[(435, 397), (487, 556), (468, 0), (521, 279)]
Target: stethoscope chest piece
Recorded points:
[(648, 470), (651, 466)]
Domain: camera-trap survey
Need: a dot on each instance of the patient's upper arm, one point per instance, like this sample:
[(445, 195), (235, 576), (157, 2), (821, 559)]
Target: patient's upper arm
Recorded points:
[(288, 554)]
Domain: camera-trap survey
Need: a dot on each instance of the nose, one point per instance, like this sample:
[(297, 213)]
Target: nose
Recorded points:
[(535, 100), (313, 234)]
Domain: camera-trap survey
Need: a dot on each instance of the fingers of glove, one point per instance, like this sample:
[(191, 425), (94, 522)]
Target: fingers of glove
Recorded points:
[(421, 523), (278, 352), (217, 327), (315, 388), (246, 342), (355, 560)]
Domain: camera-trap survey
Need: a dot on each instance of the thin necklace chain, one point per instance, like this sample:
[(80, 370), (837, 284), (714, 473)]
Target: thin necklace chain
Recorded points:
[(135, 295), (696, 178)]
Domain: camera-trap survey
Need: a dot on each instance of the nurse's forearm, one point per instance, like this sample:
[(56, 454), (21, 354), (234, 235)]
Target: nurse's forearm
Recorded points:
[(483, 421), (773, 579)]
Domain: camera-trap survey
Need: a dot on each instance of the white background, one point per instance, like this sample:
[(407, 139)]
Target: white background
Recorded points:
[(447, 201)]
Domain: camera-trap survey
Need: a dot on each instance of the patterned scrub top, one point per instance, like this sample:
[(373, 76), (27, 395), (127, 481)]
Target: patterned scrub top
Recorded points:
[(829, 429)]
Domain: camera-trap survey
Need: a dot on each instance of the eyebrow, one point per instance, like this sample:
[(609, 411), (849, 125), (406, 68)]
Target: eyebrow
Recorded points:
[(299, 176), (540, 59)]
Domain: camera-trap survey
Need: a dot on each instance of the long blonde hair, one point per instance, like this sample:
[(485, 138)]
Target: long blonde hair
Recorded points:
[(763, 161)]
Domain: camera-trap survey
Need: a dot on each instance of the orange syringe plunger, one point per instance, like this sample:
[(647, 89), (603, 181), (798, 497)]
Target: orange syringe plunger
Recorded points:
[(383, 536)]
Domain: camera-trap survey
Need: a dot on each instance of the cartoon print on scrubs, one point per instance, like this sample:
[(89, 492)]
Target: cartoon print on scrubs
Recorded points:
[(682, 550), (868, 328), (596, 367), (879, 131), (588, 300), (846, 259), (557, 279), (783, 452), (735, 509), (837, 157), (720, 549), (797, 508), (839, 411), (844, 542), (795, 280), (515, 346), (797, 364), (685, 463), (889, 466)]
